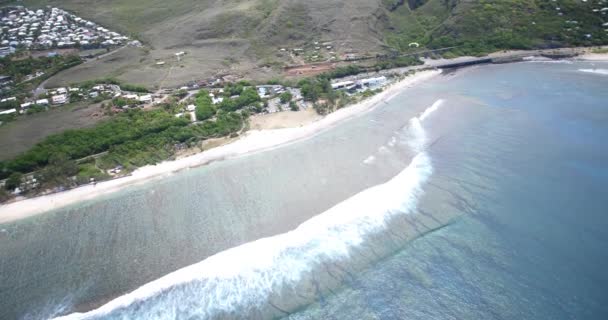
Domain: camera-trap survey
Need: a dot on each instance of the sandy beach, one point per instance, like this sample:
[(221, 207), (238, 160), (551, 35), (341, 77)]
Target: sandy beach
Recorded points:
[(286, 119), (253, 141), (593, 57)]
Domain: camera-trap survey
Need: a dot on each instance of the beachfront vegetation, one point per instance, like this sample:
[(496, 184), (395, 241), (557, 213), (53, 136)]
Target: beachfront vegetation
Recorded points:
[(13, 181), (600, 51), (293, 106), (247, 97), (130, 139)]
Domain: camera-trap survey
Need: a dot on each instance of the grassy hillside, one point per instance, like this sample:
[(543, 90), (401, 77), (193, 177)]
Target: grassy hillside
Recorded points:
[(480, 26), (243, 37)]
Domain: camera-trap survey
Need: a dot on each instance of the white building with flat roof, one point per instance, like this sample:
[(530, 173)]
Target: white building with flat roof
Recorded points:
[(146, 98), (59, 99), (9, 111)]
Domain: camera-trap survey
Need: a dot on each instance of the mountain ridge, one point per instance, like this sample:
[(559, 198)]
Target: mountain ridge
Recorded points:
[(255, 38)]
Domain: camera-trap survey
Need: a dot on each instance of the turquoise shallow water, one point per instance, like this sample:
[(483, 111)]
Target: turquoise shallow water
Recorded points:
[(498, 173)]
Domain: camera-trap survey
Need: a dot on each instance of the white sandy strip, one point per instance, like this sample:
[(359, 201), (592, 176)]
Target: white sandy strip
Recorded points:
[(253, 141), (593, 57)]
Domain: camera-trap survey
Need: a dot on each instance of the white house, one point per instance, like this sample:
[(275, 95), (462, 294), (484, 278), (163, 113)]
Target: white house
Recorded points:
[(42, 102), (191, 107), (217, 100), (373, 82), (59, 99), (9, 111), (146, 98), (342, 85), (9, 99)]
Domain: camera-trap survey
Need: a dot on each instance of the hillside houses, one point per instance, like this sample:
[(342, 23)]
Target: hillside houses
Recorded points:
[(52, 28)]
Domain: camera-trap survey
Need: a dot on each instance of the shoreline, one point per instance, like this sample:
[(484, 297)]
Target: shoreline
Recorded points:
[(252, 142)]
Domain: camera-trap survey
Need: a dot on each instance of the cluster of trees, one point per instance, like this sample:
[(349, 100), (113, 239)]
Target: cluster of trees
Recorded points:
[(204, 105), (316, 88), (75, 144), (87, 85), (285, 97), (9, 104), (235, 89), (19, 69), (248, 97), (346, 71), (131, 139), (397, 62)]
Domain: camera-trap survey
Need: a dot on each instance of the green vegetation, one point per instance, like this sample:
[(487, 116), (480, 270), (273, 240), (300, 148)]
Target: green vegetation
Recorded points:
[(130, 139), (480, 27), (9, 104), (20, 68), (13, 181), (397, 62), (122, 101), (88, 170), (87, 85), (600, 51), (235, 89), (316, 88), (293, 106), (248, 97), (285, 97), (204, 106)]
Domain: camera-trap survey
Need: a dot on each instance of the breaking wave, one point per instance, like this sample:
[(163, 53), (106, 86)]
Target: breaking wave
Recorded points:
[(595, 71), (273, 276), (430, 110)]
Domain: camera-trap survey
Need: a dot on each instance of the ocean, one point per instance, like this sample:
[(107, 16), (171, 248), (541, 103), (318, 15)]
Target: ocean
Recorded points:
[(480, 194)]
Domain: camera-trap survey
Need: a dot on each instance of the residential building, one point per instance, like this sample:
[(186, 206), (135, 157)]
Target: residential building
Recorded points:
[(59, 99), (9, 111), (146, 98)]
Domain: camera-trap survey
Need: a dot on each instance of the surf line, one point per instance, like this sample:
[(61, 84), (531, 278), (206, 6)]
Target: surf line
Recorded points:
[(270, 276)]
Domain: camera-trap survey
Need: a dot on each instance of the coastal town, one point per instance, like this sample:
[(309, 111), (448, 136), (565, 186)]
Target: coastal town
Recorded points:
[(290, 159), (340, 79), (51, 28)]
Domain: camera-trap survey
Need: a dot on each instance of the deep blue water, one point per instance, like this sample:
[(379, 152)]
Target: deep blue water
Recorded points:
[(531, 183)]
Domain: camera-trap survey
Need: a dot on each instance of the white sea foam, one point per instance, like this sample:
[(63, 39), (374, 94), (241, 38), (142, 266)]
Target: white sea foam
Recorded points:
[(369, 160), (595, 71), (383, 150), (243, 279), (431, 109), (547, 60), (392, 142)]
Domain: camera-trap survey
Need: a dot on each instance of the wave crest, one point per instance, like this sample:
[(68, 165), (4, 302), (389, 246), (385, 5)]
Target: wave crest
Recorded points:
[(272, 276)]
